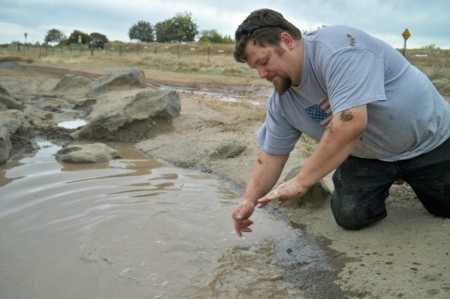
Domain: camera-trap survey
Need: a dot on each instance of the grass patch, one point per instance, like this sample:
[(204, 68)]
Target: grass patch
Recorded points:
[(17, 59)]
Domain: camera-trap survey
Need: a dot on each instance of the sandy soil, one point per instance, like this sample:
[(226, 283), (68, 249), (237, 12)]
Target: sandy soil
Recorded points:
[(404, 256)]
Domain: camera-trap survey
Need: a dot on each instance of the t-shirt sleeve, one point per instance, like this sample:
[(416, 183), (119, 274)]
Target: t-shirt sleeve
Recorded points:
[(354, 77), (276, 136)]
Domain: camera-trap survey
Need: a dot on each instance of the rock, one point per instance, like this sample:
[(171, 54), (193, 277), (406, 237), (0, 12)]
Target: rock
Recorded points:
[(316, 196), (7, 100), (154, 103), (228, 150), (154, 107), (87, 153), (4, 91), (118, 80), (69, 82), (5, 144), (12, 120)]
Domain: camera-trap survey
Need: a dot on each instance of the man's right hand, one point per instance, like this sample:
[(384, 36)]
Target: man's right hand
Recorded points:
[(241, 215)]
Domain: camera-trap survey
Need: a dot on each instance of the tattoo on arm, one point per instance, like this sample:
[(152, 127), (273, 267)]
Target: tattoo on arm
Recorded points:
[(259, 161), (346, 115)]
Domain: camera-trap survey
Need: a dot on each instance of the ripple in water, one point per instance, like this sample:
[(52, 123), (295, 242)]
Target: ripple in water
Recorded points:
[(131, 228)]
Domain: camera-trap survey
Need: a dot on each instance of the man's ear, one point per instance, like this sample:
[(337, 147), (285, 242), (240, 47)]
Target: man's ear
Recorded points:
[(287, 39)]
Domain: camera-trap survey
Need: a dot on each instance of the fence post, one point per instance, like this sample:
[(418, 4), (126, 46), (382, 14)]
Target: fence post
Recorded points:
[(209, 50)]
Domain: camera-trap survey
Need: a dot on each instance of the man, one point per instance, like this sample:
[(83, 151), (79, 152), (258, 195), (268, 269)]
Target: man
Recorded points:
[(376, 117)]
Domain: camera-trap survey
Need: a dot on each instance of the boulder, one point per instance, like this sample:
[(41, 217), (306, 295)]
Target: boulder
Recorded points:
[(118, 80), (69, 82), (5, 144), (153, 107), (8, 101), (316, 196), (154, 103), (228, 150), (12, 120), (87, 153)]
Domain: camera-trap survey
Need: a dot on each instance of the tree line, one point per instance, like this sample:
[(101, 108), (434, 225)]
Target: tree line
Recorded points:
[(180, 28)]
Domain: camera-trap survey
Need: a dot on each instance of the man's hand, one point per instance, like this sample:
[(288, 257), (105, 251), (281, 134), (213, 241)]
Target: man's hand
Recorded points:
[(285, 191), (241, 215)]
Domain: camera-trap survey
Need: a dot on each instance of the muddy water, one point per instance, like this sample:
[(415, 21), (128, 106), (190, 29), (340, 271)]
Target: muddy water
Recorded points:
[(130, 228)]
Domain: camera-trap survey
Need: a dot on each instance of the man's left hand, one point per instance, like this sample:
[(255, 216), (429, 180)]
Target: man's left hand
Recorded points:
[(285, 191)]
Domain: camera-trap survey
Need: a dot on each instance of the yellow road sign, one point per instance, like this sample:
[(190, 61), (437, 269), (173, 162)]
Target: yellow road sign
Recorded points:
[(406, 34)]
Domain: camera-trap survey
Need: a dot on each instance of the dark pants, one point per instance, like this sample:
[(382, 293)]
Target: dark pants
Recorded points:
[(362, 186)]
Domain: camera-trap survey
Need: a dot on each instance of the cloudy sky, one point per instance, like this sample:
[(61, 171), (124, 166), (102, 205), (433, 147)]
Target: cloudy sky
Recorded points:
[(427, 20)]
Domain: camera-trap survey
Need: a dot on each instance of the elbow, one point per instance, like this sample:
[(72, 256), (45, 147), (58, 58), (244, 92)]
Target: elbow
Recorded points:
[(360, 126)]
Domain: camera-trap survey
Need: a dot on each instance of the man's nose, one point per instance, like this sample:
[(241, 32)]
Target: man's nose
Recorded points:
[(262, 72)]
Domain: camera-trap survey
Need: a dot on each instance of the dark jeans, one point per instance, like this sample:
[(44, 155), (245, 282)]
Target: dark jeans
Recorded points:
[(362, 186)]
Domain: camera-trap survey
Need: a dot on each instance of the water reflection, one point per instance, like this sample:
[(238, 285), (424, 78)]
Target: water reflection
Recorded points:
[(72, 124), (131, 228)]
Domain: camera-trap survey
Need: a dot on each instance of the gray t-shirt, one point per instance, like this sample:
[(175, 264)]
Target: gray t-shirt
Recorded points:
[(345, 68)]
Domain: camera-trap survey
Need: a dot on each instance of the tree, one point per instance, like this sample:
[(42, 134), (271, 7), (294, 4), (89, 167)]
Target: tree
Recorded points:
[(211, 36), (54, 36), (73, 38), (180, 28), (228, 39), (141, 31), (164, 32), (184, 27), (95, 36)]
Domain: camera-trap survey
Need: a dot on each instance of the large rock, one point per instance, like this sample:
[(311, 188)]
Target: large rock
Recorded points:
[(7, 101), (87, 153), (228, 150), (69, 82), (12, 120), (316, 196), (152, 107), (5, 145), (118, 80)]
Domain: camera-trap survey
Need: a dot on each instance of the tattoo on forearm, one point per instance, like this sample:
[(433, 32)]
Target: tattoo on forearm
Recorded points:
[(346, 115)]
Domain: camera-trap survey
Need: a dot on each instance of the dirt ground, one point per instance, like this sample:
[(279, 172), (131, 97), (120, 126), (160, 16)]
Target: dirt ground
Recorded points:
[(406, 255)]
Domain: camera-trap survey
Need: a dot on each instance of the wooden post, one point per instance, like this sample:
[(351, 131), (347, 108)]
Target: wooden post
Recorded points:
[(209, 51)]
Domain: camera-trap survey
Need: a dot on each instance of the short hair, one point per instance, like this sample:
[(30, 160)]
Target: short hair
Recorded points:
[(263, 27)]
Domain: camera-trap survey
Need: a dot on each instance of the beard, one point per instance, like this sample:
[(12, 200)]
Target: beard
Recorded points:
[(282, 85)]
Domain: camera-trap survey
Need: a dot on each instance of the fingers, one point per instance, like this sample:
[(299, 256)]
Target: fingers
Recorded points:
[(262, 202), (242, 226), (241, 217)]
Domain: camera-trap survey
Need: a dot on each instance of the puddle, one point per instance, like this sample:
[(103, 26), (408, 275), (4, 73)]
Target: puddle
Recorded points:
[(224, 97), (130, 228), (72, 124)]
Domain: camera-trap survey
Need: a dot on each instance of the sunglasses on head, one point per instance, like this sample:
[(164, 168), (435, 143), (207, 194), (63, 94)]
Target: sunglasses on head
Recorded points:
[(249, 28)]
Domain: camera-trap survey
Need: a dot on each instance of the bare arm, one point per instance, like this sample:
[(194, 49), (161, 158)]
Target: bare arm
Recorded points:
[(266, 172), (336, 144)]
